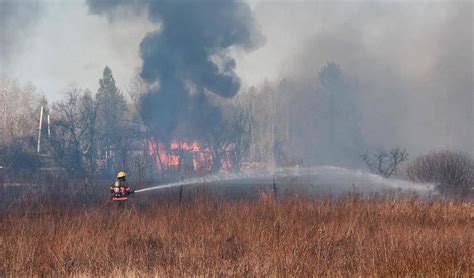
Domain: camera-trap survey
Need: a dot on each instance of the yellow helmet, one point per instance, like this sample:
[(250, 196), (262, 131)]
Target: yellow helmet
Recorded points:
[(121, 174)]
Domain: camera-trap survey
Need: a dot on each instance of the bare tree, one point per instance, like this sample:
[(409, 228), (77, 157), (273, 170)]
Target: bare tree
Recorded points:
[(19, 105), (87, 122), (269, 111), (74, 133), (239, 137), (135, 90), (385, 162), (66, 132), (19, 114), (217, 141), (452, 172), (230, 141)]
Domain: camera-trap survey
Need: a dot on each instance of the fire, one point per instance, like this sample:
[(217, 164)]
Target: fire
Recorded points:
[(187, 157)]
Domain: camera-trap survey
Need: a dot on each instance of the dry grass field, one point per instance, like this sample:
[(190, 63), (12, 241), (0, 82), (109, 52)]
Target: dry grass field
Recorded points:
[(349, 235)]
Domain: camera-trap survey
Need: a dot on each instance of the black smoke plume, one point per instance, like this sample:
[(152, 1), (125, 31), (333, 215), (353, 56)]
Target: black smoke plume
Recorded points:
[(188, 58)]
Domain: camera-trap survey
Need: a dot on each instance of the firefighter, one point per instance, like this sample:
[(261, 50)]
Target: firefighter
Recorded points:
[(120, 190)]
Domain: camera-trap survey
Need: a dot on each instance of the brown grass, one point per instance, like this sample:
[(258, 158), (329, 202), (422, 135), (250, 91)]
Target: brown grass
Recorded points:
[(351, 235)]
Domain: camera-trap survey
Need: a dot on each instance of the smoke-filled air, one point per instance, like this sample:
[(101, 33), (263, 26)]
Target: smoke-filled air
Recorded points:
[(236, 138)]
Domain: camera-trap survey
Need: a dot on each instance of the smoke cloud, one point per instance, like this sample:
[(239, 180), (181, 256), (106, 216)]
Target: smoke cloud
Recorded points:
[(188, 58), (17, 20), (409, 64)]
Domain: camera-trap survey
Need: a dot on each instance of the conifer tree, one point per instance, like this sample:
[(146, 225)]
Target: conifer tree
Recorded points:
[(111, 117)]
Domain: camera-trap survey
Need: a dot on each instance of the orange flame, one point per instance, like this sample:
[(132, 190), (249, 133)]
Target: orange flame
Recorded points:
[(185, 155)]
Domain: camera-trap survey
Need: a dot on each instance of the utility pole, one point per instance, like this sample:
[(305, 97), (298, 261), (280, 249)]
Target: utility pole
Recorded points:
[(5, 121), (49, 128), (39, 130)]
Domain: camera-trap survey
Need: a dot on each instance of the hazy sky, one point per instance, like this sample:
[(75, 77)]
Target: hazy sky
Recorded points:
[(65, 44)]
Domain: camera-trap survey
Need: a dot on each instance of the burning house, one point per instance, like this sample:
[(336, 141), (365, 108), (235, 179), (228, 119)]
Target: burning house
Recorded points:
[(185, 159)]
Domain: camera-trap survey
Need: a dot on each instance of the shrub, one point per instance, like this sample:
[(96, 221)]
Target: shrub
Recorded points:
[(18, 161), (452, 172)]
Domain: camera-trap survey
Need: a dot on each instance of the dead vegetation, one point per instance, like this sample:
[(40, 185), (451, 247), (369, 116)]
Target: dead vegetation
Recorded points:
[(351, 235), (452, 172)]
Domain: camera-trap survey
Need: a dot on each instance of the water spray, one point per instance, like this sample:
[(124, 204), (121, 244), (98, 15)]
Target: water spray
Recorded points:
[(207, 179), (338, 178)]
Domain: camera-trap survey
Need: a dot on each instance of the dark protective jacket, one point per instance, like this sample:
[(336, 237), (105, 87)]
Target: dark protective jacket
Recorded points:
[(120, 190)]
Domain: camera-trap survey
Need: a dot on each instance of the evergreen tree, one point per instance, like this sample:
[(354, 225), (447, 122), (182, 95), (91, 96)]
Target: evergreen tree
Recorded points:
[(342, 139), (111, 116)]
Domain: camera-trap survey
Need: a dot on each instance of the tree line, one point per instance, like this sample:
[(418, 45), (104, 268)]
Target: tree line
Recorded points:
[(83, 134), (86, 134), (281, 124)]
